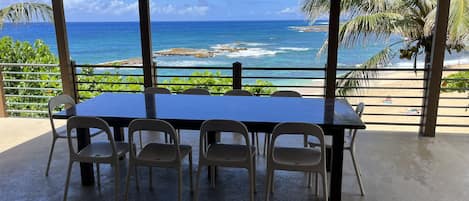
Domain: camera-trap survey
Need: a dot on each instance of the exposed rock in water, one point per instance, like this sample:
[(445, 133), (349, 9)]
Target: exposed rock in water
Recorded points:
[(315, 28), (199, 53)]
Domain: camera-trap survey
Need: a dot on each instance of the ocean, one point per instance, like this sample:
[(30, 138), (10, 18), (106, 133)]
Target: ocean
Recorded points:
[(263, 43)]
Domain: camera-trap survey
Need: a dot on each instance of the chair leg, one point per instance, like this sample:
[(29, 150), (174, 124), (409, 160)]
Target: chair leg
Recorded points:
[(309, 178), (324, 185), (212, 178), (357, 172), (116, 180), (150, 174), (180, 184), (268, 184), (197, 180), (50, 155), (67, 181), (137, 184), (127, 181), (251, 183), (257, 144), (254, 174), (316, 184), (265, 145), (98, 175), (166, 138), (190, 172), (140, 138)]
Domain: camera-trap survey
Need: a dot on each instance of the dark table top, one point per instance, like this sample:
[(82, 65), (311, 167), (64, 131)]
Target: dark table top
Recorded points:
[(189, 111)]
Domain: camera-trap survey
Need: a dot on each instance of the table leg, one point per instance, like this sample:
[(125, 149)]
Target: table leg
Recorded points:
[(211, 139), (337, 164), (86, 169), (118, 134)]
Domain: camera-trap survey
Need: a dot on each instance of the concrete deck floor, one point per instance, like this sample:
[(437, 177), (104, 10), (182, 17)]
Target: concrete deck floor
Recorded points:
[(396, 166)]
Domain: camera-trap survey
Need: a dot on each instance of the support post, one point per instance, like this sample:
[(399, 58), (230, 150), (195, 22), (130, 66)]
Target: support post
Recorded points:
[(149, 76), (3, 105), (434, 72), (237, 75), (333, 44), (68, 86)]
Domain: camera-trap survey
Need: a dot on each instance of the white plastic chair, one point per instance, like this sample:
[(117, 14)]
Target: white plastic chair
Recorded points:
[(284, 93), (196, 91), (54, 103), (95, 152), (240, 92), (349, 144), (303, 159), (226, 155), (154, 90), (157, 154)]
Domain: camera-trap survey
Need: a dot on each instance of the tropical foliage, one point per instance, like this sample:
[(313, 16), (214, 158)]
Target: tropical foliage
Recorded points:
[(20, 82), (412, 20), (26, 12), (458, 82)]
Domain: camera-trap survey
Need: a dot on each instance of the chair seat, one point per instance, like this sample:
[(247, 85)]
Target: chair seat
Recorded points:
[(296, 156), (63, 133), (103, 150), (162, 152), (314, 142), (228, 152)]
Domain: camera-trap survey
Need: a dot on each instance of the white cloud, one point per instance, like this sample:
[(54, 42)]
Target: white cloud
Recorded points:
[(114, 7), (179, 10), (288, 10)]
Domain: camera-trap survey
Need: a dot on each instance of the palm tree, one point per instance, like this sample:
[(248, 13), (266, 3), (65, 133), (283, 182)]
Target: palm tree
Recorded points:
[(26, 12), (412, 20)]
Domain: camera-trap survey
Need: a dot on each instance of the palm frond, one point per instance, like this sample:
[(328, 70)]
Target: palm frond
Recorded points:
[(378, 25), (352, 81), (26, 12), (458, 22)]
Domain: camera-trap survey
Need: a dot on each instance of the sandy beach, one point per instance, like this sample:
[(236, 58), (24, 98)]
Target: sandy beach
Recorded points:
[(407, 102)]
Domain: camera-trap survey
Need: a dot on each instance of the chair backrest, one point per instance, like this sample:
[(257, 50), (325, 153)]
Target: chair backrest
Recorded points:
[(297, 128), (156, 90), (238, 92), (55, 102), (80, 122), (220, 126), (157, 126), (353, 132), (196, 91), (286, 94)]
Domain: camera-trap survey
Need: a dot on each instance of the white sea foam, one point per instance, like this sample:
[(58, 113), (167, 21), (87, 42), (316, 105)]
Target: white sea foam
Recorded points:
[(237, 45), (191, 63), (296, 49), (252, 52), (420, 64)]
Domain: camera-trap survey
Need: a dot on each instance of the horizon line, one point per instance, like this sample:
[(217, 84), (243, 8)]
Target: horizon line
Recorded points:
[(260, 20)]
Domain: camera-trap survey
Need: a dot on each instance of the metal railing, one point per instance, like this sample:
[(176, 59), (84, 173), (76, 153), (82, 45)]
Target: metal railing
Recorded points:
[(28, 87), (393, 99)]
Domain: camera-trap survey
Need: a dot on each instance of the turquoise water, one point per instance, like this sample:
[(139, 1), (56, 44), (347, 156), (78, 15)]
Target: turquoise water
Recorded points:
[(267, 43)]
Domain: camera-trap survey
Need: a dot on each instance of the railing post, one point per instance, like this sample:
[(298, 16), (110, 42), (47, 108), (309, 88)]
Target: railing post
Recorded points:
[(432, 83), (3, 105), (62, 47), (74, 81), (153, 74), (237, 75)]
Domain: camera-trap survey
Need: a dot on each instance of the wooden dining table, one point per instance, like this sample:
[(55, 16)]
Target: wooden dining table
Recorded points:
[(259, 114)]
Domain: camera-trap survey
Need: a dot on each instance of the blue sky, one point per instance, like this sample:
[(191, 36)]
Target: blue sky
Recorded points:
[(180, 10)]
